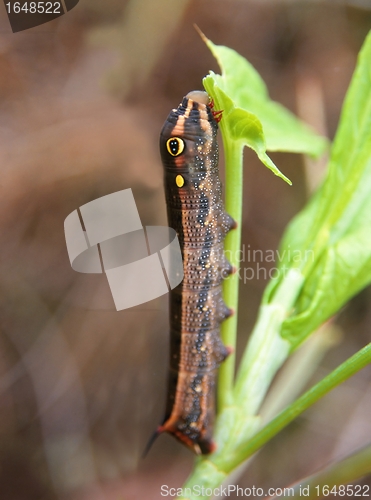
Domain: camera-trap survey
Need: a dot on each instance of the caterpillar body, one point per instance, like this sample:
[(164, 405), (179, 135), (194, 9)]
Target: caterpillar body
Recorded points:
[(189, 151)]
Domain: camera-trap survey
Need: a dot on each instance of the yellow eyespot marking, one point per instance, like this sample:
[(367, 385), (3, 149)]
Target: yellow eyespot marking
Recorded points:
[(175, 146), (179, 180)]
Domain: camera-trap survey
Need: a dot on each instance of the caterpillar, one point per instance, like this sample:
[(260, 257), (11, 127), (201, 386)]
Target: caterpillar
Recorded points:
[(189, 152)]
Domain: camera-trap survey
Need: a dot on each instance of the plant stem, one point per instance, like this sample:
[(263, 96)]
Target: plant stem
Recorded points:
[(347, 369), (233, 205)]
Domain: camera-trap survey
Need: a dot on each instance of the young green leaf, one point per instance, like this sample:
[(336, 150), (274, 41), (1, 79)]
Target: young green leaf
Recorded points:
[(330, 240), (239, 126), (239, 80)]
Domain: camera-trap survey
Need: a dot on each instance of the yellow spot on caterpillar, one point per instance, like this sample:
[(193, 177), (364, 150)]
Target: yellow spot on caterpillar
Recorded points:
[(179, 181), (193, 425), (175, 146), (198, 388), (205, 308), (207, 265), (203, 348)]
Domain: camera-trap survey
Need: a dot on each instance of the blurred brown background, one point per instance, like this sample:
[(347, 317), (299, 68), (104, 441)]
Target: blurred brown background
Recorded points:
[(82, 101)]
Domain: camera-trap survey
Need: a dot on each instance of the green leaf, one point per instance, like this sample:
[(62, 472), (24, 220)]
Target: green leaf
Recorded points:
[(282, 130), (240, 126), (330, 240)]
